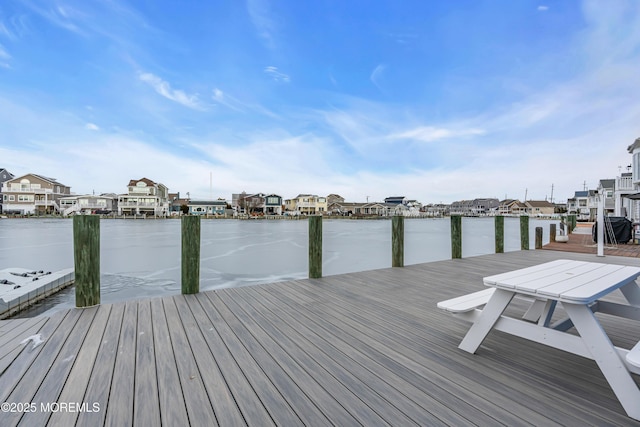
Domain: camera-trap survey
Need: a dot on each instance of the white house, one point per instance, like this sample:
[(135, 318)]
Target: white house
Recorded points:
[(88, 204), (145, 197)]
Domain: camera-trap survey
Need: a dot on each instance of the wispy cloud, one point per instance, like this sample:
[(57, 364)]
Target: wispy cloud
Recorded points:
[(222, 98), (62, 16), (262, 19), (376, 75), (164, 88), (4, 57), (91, 126), (276, 75), (4, 31), (430, 134), (543, 8)]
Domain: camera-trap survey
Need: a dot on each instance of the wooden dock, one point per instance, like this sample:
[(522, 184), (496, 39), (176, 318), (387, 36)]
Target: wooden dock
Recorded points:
[(581, 241), (367, 348)]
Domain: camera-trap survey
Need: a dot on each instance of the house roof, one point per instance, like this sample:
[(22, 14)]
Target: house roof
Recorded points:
[(540, 204), (145, 180), (207, 203), (608, 183), (44, 178)]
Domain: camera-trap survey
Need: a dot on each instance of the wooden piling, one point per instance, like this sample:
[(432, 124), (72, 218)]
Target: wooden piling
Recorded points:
[(190, 254), (552, 233), (524, 232), (315, 247), (499, 222), (456, 236), (86, 254), (397, 241), (538, 237)]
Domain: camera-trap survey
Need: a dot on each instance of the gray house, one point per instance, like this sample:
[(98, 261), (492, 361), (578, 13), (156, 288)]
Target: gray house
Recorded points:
[(207, 207), (5, 175), (475, 207)]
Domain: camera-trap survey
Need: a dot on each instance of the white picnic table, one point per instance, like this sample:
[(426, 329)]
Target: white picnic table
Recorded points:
[(578, 286)]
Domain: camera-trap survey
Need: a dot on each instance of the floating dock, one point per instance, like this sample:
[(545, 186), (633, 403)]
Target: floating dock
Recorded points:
[(21, 288)]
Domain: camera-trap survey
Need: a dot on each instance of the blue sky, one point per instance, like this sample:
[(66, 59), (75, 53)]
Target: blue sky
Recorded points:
[(433, 100)]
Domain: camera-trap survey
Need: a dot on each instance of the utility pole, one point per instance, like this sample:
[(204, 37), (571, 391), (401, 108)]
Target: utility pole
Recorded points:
[(551, 193)]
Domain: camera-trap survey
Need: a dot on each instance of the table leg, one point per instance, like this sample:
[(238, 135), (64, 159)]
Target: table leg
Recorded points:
[(606, 356), (489, 316), (631, 292)]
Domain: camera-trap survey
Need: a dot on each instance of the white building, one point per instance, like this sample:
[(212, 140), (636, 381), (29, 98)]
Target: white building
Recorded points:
[(145, 197), (633, 204), (88, 204)]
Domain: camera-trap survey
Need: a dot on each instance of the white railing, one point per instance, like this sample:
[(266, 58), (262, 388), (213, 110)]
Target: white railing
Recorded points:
[(68, 211), (624, 183), (136, 204), (6, 189)]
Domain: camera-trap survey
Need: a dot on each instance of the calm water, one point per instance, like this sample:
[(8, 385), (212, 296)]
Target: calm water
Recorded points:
[(141, 258)]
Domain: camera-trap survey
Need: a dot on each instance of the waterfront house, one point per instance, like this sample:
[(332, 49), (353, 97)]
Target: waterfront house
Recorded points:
[(257, 203), (334, 198), (5, 175), (539, 208), (207, 207), (436, 209), (33, 194), (622, 190), (359, 209), (273, 204), (88, 204), (607, 186), (307, 204), (396, 200), (583, 204), (631, 195), (512, 207), (144, 197), (475, 207), (176, 203)]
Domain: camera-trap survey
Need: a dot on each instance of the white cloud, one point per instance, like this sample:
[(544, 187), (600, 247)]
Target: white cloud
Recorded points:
[(276, 75), (91, 126), (543, 8), (164, 89), (429, 133)]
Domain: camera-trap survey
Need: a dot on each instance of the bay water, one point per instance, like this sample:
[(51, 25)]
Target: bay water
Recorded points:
[(141, 258)]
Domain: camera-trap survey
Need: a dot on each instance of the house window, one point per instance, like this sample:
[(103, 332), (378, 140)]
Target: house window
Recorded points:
[(636, 166)]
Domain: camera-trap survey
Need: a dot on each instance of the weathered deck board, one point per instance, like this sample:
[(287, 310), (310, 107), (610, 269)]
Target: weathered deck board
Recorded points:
[(78, 379), (364, 348), (173, 411)]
